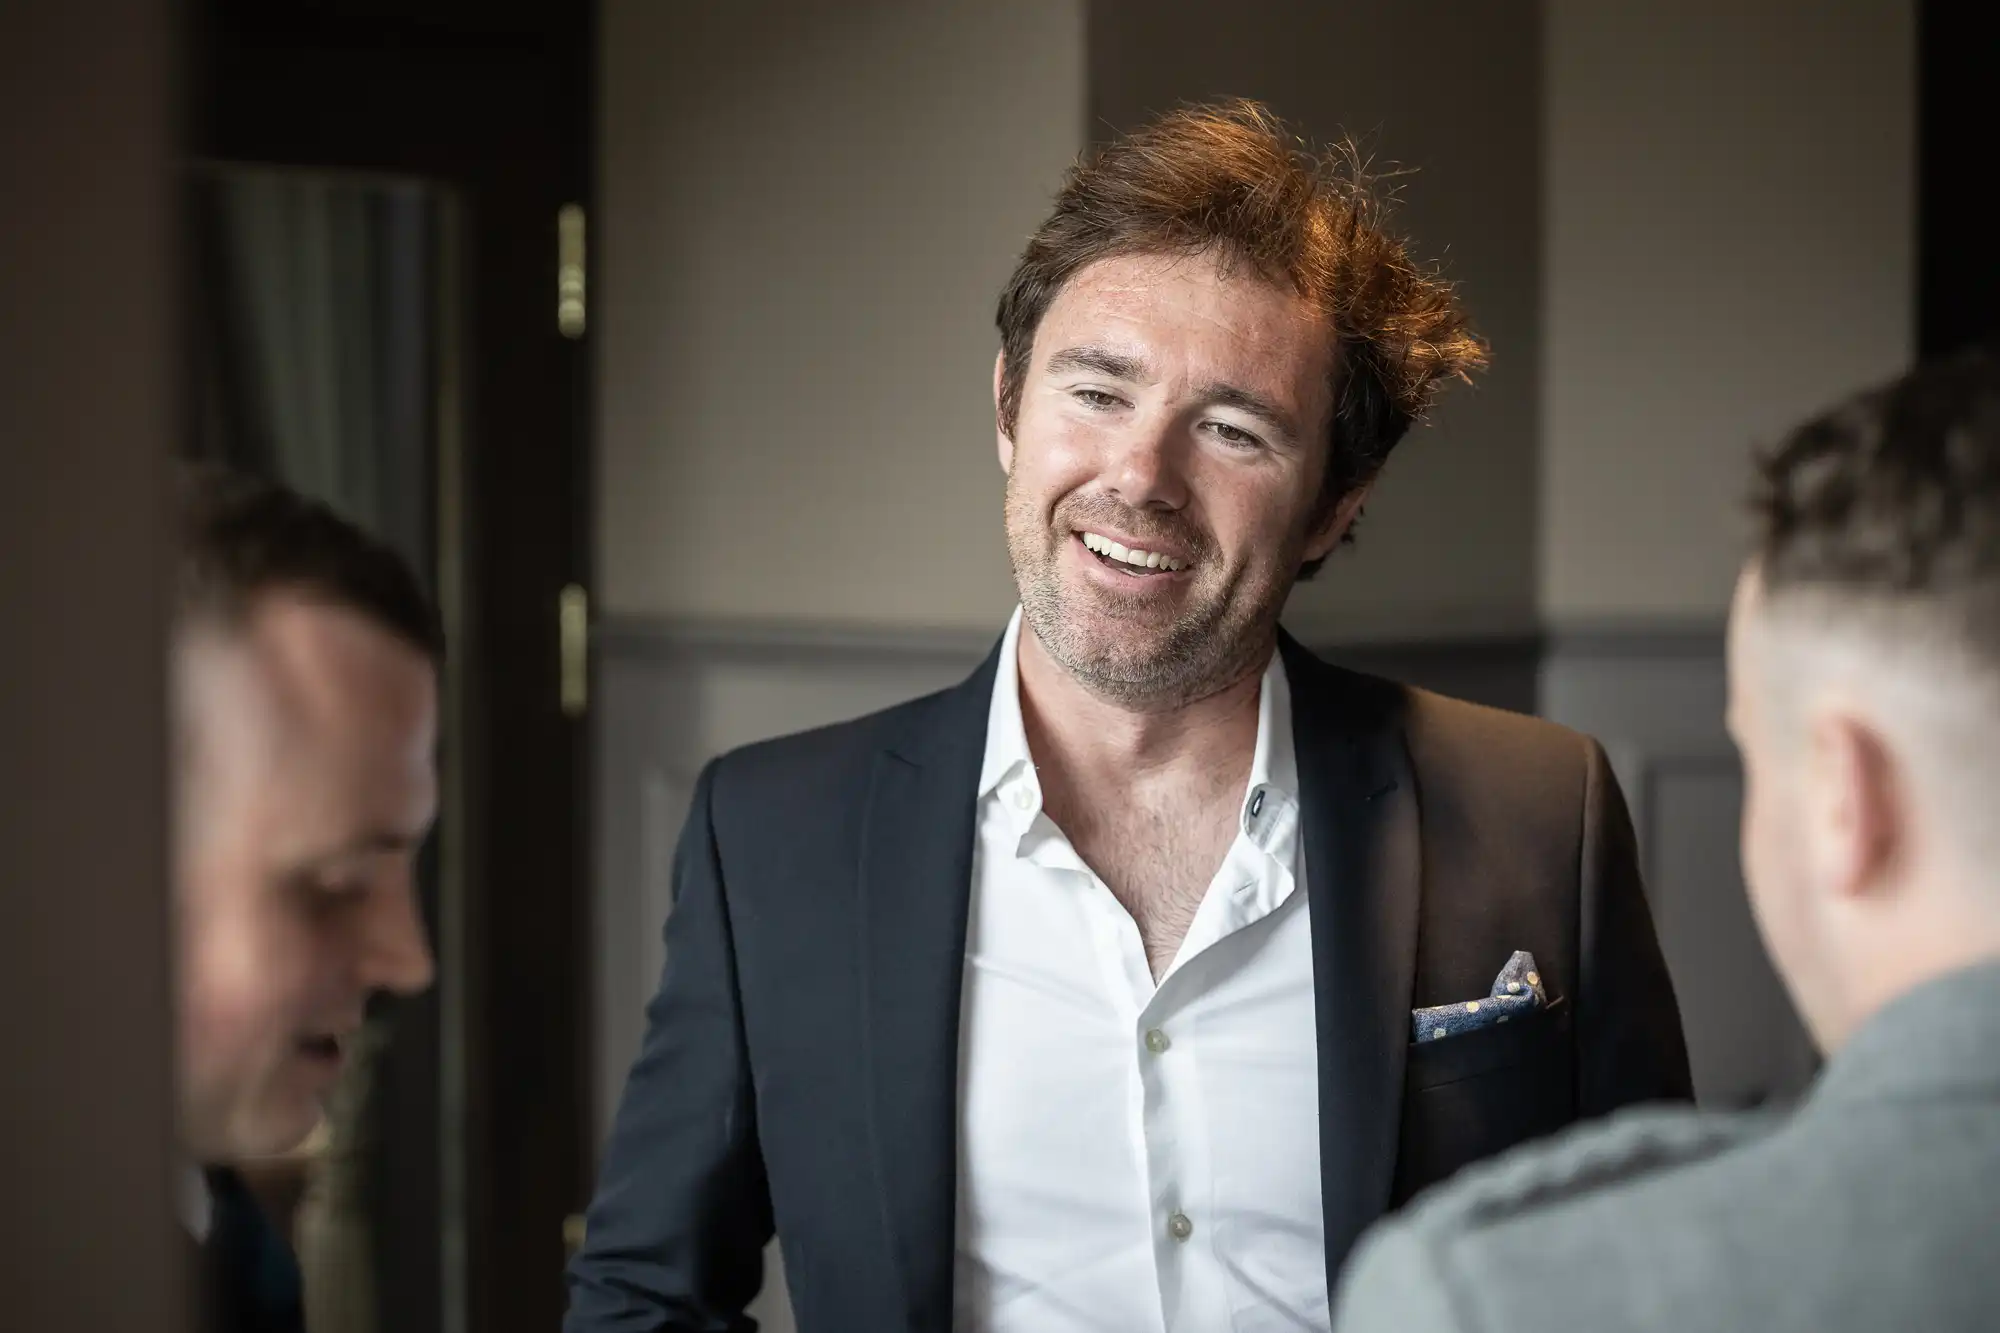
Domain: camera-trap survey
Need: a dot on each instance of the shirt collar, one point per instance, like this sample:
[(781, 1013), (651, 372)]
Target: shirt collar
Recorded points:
[(1006, 737), (197, 1205), (1270, 799)]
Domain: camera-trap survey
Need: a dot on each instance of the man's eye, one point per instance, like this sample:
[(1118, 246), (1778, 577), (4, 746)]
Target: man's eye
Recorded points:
[(1097, 398), (325, 894), (1235, 435)]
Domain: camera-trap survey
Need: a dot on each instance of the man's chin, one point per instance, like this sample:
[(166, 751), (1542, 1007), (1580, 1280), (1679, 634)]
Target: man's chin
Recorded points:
[(1083, 639), (279, 1131), (1132, 669)]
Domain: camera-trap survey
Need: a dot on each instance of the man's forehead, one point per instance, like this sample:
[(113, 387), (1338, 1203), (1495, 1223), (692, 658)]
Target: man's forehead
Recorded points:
[(334, 803), (309, 688), (333, 669), (1174, 316), (1199, 290)]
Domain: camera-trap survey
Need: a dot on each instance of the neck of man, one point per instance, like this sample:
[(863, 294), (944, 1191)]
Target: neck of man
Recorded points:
[(1953, 931), (1096, 743)]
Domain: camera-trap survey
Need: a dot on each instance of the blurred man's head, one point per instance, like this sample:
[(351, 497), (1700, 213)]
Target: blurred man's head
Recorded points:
[(1865, 694), (305, 714), (1208, 351)]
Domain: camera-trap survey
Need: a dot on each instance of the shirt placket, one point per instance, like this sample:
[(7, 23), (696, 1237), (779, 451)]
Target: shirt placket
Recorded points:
[(1168, 1112), (1166, 1042)]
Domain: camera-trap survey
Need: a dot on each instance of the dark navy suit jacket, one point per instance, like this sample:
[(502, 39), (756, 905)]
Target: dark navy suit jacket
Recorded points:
[(248, 1278), (800, 1067)]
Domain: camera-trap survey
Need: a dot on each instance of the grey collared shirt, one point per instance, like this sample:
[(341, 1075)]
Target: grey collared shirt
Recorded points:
[(1873, 1207)]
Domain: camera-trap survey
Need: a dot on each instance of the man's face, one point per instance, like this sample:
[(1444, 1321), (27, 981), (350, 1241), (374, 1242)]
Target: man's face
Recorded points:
[(1175, 411), (306, 784), (1776, 860)]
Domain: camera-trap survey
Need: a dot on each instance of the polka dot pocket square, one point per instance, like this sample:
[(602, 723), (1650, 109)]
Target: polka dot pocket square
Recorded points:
[(1517, 990)]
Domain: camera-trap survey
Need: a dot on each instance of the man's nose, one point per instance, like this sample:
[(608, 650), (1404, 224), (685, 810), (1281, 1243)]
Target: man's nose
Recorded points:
[(397, 954), (1147, 468)]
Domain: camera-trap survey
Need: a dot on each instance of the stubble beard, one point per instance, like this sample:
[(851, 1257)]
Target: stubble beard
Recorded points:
[(1165, 660)]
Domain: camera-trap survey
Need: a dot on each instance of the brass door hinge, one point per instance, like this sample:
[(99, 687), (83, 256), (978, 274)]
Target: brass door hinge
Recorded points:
[(570, 312), (573, 629)]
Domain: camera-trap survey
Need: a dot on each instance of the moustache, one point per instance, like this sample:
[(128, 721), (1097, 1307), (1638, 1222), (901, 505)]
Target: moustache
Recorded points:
[(1146, 527)]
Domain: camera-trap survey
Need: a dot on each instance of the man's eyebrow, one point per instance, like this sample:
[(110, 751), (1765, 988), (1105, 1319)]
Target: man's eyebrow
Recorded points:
[(376, 842), (1243, 400), (1099, 360)]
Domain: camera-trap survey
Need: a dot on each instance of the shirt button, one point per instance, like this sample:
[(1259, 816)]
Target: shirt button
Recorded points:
[(1156, 1042), (1179, 1227), (1024, 799)]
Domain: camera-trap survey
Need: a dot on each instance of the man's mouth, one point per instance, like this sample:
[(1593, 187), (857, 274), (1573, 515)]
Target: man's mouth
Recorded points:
[(1132, 560), (323, 1048)]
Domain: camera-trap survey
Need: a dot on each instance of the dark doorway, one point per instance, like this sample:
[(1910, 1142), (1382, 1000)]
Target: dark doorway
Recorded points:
[(455, 135), (1958, 267)]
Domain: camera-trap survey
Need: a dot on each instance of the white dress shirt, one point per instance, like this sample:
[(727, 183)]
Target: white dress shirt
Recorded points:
[(197, 1205), (1137, 1157)]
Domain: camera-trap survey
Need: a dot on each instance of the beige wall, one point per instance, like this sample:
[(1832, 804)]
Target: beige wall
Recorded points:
[(1451, 89), (1681, 225), (807, 212), (806, 220), (1729, 244)]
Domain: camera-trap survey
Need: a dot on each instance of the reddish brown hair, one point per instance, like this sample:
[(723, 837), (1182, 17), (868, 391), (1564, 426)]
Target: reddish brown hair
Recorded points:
[(1232, 181)]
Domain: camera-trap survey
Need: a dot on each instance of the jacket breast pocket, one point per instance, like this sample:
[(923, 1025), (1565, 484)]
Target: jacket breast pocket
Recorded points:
[(1480, 1093)]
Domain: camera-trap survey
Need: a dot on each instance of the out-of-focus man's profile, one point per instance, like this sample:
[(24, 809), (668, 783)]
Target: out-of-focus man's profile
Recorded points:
[(1864, 684), (304, 713)]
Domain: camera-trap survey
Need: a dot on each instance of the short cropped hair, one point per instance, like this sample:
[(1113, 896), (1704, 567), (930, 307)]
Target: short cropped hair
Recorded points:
[(242, 538), (1231, 180), (1891, 501)]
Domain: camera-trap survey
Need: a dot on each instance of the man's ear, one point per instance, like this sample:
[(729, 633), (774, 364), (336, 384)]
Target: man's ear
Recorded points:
[(1321, 541), (1855, 814), (1002, 438)]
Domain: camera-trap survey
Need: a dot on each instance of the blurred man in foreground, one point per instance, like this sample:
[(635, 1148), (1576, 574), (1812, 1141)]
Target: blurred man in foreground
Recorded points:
[(1864, 663), (305, 719)]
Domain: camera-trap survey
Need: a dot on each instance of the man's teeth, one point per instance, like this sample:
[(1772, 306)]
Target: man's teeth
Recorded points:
[(1104, 546)]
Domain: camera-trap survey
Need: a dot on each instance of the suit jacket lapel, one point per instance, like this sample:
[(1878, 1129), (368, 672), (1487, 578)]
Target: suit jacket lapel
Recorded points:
[(1363, 883), (915, 882)]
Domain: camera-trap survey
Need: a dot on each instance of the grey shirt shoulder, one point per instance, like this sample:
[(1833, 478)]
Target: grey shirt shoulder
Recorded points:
[(1871, 1207), (1427, 1269)]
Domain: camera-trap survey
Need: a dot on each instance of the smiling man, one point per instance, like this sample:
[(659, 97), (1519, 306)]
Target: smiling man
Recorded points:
[(305, 714), (1120, 987)]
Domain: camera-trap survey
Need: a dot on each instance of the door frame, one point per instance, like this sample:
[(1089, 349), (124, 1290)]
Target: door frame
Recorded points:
[(494, 101)]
